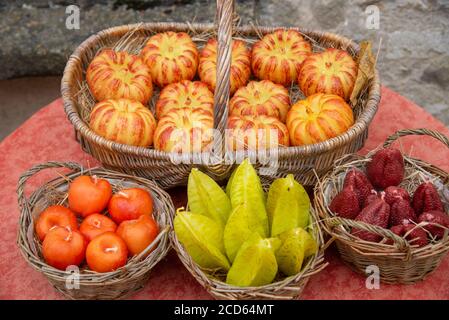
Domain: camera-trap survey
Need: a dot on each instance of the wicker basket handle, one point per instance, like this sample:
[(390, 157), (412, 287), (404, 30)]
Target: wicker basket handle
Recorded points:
[(420, 132), (36, 169), (400, 242), (225, 9)]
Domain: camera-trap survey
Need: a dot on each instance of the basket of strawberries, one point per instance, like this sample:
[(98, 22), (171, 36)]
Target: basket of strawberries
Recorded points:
[(94, 233), (157, 99), (388, 210)]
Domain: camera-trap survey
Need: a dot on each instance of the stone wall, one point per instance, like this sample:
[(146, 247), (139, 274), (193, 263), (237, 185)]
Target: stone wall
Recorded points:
[(413, 57)]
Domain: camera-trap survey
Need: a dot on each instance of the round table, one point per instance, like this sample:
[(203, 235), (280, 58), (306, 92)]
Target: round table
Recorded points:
[(48, 135)]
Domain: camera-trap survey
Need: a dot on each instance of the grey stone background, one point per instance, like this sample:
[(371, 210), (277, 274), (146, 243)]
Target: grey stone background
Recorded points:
[(413, 56)]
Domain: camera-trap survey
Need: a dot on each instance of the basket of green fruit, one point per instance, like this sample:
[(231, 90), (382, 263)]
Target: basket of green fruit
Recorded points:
[(388, 210), (250, 241)]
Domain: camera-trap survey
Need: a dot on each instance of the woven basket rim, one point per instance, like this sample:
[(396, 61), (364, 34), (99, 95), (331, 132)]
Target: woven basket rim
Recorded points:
[(374, 248), (87, 277), (360, 125)]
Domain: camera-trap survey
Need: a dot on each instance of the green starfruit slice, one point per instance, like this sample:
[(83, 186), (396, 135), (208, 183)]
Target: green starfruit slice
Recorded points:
[(202, 238), (288, 205), (297, 244), (310, 245), (247, 190), (206, 197), (237, 230), (255, 263)]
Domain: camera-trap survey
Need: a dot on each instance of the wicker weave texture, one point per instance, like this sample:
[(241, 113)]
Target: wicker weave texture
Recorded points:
[(400, 262)]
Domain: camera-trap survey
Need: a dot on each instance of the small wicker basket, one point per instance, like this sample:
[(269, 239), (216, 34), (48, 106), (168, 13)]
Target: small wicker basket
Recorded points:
[(92, 285), (282, 289), (399, 262)]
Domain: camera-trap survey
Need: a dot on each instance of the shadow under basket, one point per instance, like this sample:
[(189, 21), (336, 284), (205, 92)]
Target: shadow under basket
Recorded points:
[(92, 285), (400, 262), (283, 288)]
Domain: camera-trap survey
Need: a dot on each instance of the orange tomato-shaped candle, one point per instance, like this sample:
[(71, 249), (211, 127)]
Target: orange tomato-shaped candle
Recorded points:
[(96, 224), (89, 194), (318, 118), (63, 247), (332, 71), (171, 57), (138, 234), (185, 94), (124, 121), (106, 252), (240, 64), (184, 131), (54, 216), (118, 74), (261, 98), (279, 55), (130, 204), (255, 133)]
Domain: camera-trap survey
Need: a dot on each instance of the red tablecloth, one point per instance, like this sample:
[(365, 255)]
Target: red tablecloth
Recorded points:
[(49, 136)]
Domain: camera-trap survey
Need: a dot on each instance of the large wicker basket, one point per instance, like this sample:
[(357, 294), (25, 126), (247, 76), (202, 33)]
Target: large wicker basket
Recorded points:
[(282, 289), (150, 163), (92, 285), (399, 262)]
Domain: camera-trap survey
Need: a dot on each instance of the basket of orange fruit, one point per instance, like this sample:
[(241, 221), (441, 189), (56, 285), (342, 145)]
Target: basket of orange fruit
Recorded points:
[(94, 233), (157, 99)]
